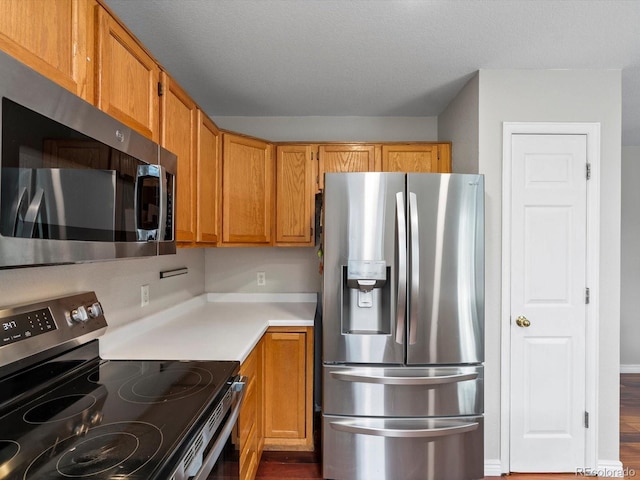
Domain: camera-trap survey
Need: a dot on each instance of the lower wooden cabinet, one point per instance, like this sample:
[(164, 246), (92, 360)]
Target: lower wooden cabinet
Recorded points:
[(288, 388), (277, 411)]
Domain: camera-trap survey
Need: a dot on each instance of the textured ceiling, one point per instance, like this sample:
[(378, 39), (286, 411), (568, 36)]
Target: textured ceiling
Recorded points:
[(377, 57)]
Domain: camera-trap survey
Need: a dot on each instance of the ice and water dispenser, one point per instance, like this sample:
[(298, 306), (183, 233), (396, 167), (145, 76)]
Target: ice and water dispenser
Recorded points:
[(366, 295)]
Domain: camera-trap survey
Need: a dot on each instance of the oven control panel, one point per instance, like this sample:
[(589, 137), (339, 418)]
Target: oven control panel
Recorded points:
[(25, 325), (33, 328)]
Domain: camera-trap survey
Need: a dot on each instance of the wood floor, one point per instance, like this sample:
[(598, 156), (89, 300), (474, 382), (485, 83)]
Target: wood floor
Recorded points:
[(306, 466)]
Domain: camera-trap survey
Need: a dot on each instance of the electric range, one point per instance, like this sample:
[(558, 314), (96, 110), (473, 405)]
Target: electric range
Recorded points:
[(66, 413)]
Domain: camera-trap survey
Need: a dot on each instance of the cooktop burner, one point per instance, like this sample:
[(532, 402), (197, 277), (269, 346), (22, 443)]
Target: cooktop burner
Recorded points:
[(8, 450), (173, 383), (115, 450), (60, 408), (106, 419)]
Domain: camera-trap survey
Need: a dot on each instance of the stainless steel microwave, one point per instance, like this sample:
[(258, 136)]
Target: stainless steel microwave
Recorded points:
[(76, 185)]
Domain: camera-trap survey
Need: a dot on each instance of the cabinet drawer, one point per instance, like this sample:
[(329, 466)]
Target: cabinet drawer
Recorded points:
[(406, 391), (247, 419), (249, 456)]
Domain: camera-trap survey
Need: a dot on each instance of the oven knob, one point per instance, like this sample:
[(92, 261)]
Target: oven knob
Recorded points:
[(80, 314), (95, 310)]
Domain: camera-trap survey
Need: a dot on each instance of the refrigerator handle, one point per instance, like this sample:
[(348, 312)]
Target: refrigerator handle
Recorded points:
[(414, 254), (366, 377), (401, 248), (404, 432)]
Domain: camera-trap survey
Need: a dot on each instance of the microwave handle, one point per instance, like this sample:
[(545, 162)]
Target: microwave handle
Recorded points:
[(164, 196), (145, 171)]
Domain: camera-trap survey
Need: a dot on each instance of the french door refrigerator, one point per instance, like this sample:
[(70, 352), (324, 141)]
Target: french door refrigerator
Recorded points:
[(403, 326)]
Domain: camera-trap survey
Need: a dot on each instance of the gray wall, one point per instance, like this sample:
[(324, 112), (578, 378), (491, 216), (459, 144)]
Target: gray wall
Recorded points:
[(560, 96), (339, 129), (117, 283), (458, 124), (630, 269)]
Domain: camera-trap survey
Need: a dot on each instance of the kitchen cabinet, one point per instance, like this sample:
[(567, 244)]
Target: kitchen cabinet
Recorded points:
[(179, 114), (208, 181), (53, 37), (128, 78), (250, 436), (247, 191), (295, 195), (347, 158), (288, 388), (416, 157)]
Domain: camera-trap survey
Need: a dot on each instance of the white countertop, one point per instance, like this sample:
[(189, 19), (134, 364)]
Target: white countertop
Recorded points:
[(210, 327)]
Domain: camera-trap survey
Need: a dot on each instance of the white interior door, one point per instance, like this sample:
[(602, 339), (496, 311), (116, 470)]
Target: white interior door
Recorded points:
[(548, 302)]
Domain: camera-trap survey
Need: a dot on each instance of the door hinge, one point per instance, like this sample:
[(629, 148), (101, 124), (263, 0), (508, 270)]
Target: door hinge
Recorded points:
[(586, 419), (160, 89), (588, 171), (587, 295)]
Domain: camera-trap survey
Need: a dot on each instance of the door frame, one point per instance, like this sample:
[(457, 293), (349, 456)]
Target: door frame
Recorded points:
[(592, 132)]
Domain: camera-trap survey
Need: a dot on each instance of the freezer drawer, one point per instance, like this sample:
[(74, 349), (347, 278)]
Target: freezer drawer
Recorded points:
[(402, 448), (403, 391)]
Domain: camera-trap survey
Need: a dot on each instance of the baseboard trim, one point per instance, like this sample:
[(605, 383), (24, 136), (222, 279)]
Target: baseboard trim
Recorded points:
[(611, 469), (629, 368), (492, 468), (605, 468)]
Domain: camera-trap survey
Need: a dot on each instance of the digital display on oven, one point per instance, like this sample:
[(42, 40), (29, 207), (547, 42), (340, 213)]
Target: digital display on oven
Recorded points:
[(25, 325)]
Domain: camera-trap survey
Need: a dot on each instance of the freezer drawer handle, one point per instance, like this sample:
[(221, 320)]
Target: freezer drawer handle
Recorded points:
[(404, 433), (364, 377)]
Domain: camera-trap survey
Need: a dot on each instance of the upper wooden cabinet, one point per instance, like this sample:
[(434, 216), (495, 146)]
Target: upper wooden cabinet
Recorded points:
[(295, 191), (208, 181), (127, 80), (179, 114), (247, 191), (416, 158), (346, 158), (54, 37)]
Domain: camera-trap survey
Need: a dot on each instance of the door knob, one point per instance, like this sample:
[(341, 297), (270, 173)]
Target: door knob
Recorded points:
[(522, 321)]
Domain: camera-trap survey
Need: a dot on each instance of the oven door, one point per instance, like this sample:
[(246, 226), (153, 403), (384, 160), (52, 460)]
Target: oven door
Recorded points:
[(211, 455)]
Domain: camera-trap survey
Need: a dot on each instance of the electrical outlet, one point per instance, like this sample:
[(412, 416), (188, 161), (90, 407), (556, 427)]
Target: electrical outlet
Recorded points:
[(144, 295), (262, 279)]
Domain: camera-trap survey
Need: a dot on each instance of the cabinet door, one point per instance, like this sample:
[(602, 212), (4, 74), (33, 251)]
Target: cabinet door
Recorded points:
[(179, 115), (414, 158), (288, 389), (54, 37), (208, 180), (247, 191), (345, 158), (127, 84), (295, 195)]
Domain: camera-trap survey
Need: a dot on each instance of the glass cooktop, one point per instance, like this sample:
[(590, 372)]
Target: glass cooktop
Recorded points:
[(106, 419)]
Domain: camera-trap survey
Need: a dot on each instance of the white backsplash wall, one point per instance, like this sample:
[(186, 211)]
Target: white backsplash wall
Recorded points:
[(116, 283), (287, 270)]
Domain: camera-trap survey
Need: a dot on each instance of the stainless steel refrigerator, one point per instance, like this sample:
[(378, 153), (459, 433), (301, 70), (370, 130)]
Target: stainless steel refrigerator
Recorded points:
[(403, 326)]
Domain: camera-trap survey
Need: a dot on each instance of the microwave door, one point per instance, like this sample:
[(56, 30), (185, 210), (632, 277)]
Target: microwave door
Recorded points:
[(79, 204)]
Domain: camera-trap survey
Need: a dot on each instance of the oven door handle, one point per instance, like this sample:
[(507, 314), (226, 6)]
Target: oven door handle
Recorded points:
[(238, 387)]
